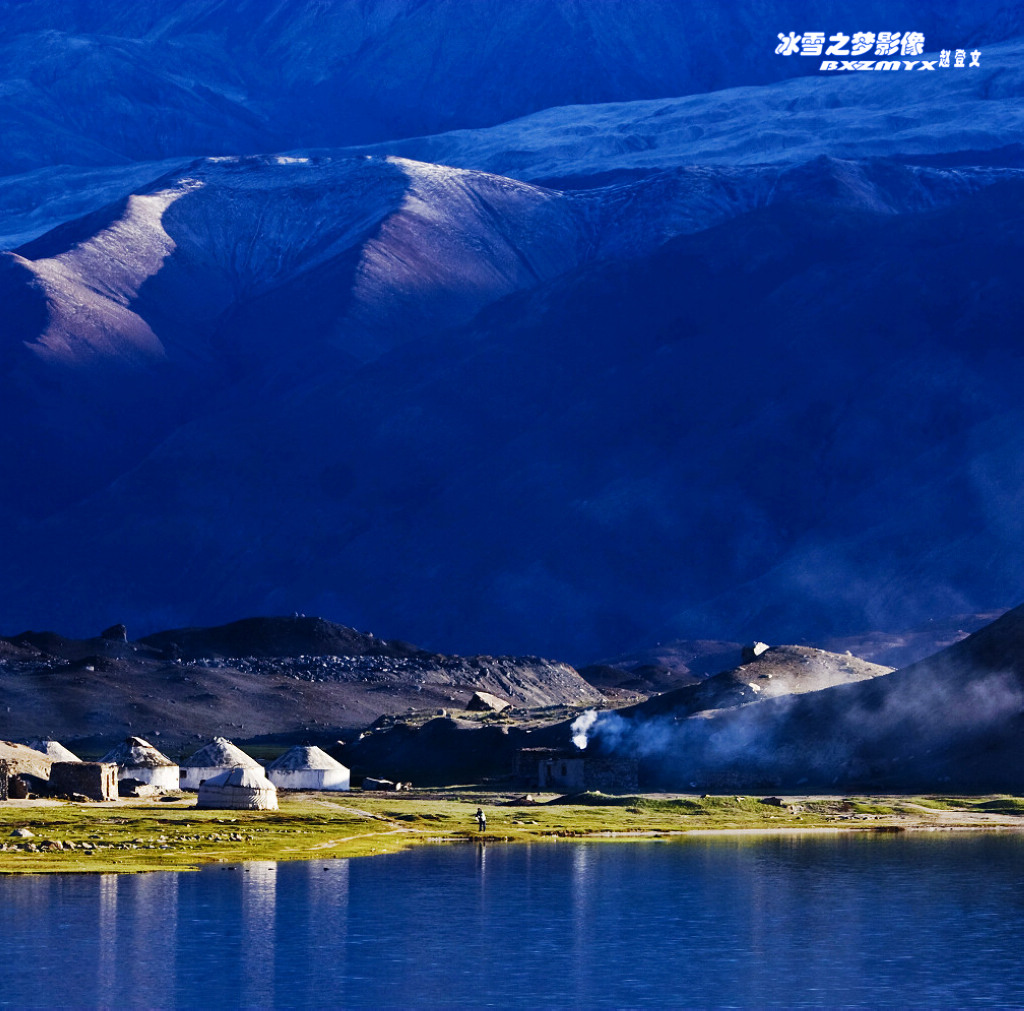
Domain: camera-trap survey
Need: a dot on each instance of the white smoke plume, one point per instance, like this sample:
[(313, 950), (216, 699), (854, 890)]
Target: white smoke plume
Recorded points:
[(581, 727)]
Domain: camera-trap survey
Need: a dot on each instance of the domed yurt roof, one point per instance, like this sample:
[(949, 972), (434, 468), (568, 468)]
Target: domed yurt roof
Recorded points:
[(220, 753), (134, 752), (53, 750), (304, 756)]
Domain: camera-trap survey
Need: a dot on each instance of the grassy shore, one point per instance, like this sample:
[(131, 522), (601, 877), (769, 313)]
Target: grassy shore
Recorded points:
[(129, 836)]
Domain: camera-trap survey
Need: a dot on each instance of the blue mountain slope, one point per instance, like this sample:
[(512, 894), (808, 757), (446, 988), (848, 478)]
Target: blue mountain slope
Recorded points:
[(101, 82), (966, 118), (977, 112), (795, 419), (719, 381)]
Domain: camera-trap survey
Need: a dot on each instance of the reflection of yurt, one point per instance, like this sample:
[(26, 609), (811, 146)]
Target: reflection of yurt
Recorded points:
[(53, 750), (239, 789), (308, 768), (139, 760), (220, 755)]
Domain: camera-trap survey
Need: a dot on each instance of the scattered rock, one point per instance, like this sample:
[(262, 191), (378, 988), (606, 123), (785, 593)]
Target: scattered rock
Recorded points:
[(486, 702), (379, 784), (753, 651)]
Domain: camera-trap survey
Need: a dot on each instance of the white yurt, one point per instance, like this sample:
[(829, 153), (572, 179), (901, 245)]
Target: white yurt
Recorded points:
[(239, 790), (139, 760), (220, 755), (306, 767), (53, 750)]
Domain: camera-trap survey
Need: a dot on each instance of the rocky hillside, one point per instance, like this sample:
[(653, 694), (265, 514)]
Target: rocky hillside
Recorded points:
[(794, 719), (451, 751), (262, 678), (779, 671), (953, 721)]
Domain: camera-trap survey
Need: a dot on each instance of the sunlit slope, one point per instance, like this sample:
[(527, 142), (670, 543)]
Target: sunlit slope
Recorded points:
[(119, 326)]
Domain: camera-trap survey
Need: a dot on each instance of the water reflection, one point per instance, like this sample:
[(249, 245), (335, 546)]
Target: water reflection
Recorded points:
[(257, 939), (106, 971), (135, 949), (780, 923)]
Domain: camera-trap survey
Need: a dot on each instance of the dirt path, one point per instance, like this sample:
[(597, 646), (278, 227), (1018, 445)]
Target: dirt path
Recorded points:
[(331, 843)]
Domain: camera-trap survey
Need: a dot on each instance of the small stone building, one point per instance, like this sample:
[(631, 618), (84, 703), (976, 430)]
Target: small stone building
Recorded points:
[(306, 767), (220, 755), (95, 780), (4, 773), (139, 761), (576, 771), (238, 790)]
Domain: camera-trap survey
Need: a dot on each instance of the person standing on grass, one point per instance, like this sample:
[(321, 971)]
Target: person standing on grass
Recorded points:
[(481, 819)]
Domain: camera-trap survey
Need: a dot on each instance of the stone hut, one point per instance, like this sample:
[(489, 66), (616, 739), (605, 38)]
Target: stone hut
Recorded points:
[(94, 780), (53, 750), (138, 760), (239, 790), (220, 755), (3, 779), (306, 767), (575, 771)]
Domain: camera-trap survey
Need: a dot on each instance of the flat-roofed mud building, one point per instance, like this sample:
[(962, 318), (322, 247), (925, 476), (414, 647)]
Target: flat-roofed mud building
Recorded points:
[(94, 780), (575, 771)]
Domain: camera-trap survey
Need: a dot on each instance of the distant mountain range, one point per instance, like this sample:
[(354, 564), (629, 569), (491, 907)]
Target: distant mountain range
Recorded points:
[(99, 82), (729, 365)]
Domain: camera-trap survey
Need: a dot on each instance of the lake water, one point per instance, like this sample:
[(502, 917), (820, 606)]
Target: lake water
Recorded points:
[(849, 921)]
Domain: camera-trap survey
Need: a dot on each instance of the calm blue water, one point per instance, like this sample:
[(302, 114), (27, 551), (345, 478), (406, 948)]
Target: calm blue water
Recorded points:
[(921, 921)]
